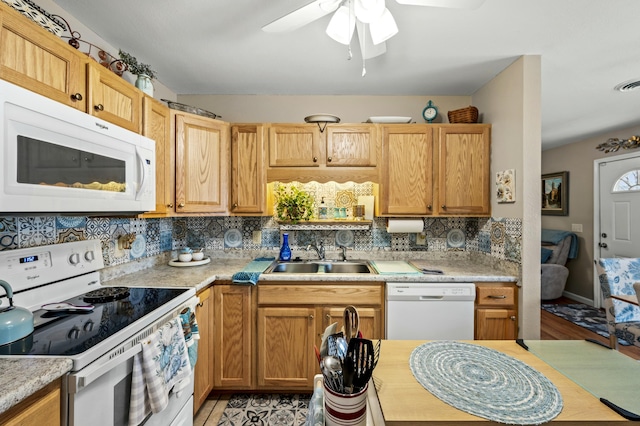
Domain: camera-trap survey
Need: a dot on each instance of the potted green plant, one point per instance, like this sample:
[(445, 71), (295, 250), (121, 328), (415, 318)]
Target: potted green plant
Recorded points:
[(293, 204), (144, 72)]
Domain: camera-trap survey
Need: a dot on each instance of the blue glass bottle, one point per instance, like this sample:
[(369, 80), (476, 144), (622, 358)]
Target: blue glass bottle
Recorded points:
[(285, 250)]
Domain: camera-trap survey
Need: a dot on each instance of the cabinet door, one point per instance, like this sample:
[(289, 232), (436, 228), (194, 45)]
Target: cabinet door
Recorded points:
[(351, 146), (496, 324), (286, 358), (156, 124), (248, 174), (233, 331), (37, 60), (202, 164), (370, 321), (112, 98), (41, 408), (407, 167), (295, 146), (203, 383), (464, 162)]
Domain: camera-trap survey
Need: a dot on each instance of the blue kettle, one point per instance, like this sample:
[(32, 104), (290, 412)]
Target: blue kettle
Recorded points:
[(15, 322)]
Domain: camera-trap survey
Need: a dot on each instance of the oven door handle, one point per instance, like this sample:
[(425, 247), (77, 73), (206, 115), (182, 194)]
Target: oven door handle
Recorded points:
[(89, 375)]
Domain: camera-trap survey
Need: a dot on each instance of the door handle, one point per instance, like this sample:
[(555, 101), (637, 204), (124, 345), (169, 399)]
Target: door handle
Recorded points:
[(603, 245)]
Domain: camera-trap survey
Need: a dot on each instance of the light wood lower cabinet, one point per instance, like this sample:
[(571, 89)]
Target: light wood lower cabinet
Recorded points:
[(496, 311), (233, 337), (291, 320), (203, 372), (40, 409)]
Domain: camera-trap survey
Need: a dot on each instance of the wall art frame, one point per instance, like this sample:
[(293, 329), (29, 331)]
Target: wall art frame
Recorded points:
[(555, 194)]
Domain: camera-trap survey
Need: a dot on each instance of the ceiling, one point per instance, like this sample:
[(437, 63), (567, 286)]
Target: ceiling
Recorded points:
[(217, 47)]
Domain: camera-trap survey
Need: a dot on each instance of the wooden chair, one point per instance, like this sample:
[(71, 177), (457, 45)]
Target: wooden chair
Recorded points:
[(617, 276)]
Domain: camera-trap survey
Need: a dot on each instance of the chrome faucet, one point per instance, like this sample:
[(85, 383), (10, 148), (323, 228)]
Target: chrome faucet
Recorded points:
[(319, 249), (343, 253)]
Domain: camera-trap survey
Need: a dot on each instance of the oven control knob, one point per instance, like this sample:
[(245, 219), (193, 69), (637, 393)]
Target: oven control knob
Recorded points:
[(88, 326), (90, 256), (74, 333), (74, 259)]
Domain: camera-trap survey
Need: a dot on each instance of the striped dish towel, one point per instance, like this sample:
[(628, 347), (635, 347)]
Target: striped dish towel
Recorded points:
[(250, 274), (162, 365)]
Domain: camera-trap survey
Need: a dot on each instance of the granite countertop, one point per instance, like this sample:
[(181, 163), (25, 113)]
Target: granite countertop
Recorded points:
[(22, 377), (35, 373)]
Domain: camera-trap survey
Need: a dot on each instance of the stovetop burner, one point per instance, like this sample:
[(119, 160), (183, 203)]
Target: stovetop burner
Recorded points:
[(106, 294)]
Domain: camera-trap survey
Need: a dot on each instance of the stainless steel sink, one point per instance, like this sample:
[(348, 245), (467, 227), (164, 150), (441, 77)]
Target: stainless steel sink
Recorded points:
[(320, 266)]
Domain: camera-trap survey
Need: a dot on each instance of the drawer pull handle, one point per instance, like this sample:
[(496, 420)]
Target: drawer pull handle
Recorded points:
[(497, 296)]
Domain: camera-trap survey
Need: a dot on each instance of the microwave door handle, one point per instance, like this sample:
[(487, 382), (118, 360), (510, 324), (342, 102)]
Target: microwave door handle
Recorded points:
[(143, 174), (88, 375)]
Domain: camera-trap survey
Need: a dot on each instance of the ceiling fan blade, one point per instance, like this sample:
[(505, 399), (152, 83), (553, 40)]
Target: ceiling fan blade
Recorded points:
[(367, 48), (302, 16), (454, 4)]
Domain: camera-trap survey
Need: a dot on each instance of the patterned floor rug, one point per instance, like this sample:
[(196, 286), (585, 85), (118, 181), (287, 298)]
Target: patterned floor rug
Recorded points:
[(583, 315), (266, 410)]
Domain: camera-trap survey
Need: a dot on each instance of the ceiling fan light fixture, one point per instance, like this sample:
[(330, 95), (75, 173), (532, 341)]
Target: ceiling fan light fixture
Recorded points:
[(329, 5), (341, 26), (368, 11), (384, 28)]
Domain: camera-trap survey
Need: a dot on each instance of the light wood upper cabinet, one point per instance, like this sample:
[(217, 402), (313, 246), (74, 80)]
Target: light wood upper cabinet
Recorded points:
[(294, 145), (202, 164), (33, 58), (406, 186), (112, 98), (156, 124), (464, 169), (233, 337), (351, 145), (203, 370), (248, 169)]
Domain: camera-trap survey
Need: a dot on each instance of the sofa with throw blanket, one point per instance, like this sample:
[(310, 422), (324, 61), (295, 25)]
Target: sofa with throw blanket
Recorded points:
[(557, 247)]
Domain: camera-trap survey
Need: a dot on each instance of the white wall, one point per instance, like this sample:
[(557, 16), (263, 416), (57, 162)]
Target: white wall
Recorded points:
[(293, 109), (511, 103)]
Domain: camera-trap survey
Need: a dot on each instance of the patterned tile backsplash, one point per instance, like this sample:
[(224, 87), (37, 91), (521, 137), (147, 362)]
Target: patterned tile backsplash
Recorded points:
[(497, 237)]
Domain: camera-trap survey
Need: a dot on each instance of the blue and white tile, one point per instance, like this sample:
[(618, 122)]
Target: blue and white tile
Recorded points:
[(8, 233), (98, 228), (138, 247), (233, 238), (270, 238), (68, 235), (381, 238), (36, 231), (64, 222)]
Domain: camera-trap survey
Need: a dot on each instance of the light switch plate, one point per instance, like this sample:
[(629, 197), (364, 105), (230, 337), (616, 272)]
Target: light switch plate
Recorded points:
[(257, 237), (576, 227), (421, 239)]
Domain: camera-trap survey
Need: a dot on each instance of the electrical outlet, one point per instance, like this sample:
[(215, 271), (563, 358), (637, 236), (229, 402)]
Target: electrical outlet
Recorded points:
[(576, 227), (421, 239), (257, 237)]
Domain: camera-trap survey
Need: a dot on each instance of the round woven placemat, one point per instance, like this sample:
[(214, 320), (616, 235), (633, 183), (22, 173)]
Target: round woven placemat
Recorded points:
[(485, 382)]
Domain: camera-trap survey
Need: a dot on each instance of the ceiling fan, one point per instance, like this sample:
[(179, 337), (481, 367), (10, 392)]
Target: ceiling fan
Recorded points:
[(361, 14)]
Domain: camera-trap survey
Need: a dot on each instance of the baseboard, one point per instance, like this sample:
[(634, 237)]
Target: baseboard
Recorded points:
[(578, 298)]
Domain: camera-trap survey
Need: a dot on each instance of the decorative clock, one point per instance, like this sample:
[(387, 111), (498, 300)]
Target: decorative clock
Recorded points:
[(430, 112)]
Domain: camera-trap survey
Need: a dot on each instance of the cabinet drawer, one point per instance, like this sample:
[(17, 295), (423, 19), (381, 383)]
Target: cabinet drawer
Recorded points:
[(320, 294), (495, 295)]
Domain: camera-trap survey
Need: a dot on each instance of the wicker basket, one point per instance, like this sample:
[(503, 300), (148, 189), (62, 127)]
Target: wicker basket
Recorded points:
[(464, 115)]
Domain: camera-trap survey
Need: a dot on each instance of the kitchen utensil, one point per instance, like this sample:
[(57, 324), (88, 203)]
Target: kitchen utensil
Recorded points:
[(332, 370), (331, 329), (376, 353), (65, 306), (351, 322), (315, 347), (342, 348), (15, 322), (361, 353)]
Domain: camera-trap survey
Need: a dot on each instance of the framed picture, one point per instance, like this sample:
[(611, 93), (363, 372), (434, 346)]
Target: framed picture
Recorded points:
[(555, 194)]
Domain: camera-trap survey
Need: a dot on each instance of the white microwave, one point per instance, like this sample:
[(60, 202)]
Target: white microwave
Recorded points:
[(56, 159)]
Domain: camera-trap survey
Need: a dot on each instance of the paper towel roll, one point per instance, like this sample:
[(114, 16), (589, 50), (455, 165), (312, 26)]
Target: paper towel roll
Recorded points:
[(405, 225)]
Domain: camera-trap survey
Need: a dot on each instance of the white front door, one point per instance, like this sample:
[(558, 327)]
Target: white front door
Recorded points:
[(619, 210)]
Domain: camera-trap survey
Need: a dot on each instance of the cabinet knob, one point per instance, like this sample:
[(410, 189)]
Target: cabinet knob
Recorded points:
[(235, 205), (329, 159), (170, 205), (328, 317), (315, 159), (429, 207), (76, 97), (181, 205), (310, 316), (513, 317), (99, 107), (443, 207)]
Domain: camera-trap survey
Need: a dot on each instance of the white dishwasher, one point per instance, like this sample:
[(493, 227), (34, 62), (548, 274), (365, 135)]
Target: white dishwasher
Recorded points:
[(430, 311)]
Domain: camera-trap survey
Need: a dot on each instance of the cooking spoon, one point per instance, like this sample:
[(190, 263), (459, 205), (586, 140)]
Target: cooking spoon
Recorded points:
[(333, 367), (351, 322), (66, 306)]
